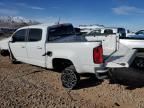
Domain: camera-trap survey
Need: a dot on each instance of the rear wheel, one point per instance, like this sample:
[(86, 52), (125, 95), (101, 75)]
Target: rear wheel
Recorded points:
[(70, 78), (139, 62)]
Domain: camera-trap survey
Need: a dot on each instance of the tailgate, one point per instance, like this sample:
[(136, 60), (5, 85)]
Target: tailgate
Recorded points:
[(121, 58), (109, 43)]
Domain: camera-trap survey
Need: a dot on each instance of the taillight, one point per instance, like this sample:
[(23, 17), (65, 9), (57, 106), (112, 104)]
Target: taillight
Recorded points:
[(98, 55)]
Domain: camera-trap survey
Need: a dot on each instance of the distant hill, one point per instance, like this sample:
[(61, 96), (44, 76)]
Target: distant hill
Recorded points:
[(16, 22)]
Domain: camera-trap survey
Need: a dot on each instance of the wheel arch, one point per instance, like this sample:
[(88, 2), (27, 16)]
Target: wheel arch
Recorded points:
[(62, 62)]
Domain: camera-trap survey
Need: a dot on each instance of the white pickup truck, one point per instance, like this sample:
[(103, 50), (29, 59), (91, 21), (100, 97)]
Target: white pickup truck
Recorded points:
[(57, 47)]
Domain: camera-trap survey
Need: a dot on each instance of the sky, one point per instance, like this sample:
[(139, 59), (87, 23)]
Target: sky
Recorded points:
[(113, 13)]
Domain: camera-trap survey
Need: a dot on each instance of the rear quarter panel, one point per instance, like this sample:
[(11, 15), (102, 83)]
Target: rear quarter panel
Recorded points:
[(79, 53)]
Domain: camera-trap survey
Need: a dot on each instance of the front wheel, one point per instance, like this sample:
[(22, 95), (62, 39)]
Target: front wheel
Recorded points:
[(70, 78), (12, 59), (4, 52)]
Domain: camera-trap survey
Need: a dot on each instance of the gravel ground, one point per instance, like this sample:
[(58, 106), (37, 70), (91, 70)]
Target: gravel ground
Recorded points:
[(27, 86)]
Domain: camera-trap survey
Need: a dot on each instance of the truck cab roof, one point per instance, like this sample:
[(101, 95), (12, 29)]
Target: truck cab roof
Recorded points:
[(45, 25)]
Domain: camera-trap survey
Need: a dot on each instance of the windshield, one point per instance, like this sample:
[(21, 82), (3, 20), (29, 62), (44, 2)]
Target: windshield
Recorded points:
[(141, 32), (60, 31)]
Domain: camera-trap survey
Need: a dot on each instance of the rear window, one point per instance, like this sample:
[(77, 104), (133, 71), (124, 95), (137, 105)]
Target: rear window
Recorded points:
[(60, 31), (121, 30), (108, 31), (122, 33), (94, 32), (34, 35)]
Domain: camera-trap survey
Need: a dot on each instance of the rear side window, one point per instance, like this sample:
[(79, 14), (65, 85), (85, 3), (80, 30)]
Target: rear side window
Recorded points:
[(19, 36), (34, 35)]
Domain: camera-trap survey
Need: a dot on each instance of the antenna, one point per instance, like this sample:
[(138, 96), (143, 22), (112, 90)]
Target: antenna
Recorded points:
[(58, 22)]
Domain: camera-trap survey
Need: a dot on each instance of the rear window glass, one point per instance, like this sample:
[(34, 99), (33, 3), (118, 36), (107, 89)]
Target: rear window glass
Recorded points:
[(34, 35), (121, 30), (108, 31)]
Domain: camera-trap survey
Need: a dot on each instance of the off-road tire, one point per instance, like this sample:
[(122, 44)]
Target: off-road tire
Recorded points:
[(70, 78), (139, 62)]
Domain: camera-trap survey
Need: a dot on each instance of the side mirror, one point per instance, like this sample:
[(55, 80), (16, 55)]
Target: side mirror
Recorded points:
[(12, 40)]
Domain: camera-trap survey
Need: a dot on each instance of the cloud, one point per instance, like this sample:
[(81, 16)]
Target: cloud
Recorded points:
[(29, 6), (21, 4), (127, 10), (36, 8), (8, 11)]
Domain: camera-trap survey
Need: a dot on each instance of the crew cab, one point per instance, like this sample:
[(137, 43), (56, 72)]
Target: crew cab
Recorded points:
[(58, 47)]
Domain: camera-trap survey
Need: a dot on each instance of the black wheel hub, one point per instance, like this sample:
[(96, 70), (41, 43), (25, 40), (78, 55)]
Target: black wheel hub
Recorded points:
[(69, 79), (140, 63)]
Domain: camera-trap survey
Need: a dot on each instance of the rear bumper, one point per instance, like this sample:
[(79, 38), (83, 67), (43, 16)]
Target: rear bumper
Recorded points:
[(101, 73), (99, 70)]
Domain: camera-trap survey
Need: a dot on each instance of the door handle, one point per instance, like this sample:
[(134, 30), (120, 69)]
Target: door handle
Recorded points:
[(22, 47), (48, 53), (39, 47)]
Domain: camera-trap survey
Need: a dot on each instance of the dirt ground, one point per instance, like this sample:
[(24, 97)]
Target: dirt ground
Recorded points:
[(27, 86)]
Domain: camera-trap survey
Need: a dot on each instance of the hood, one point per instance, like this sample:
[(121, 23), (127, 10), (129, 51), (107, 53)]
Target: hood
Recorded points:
[(5, 40)]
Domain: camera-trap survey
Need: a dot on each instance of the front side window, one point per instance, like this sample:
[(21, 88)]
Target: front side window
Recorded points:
[(60, 31), (19, 36), (34, 35)]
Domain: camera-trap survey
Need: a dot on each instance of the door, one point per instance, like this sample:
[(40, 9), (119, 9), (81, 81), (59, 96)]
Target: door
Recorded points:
[(36, 47), (18, 46)]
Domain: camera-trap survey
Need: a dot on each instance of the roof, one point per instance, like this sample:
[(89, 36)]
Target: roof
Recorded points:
[(44, 25)]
